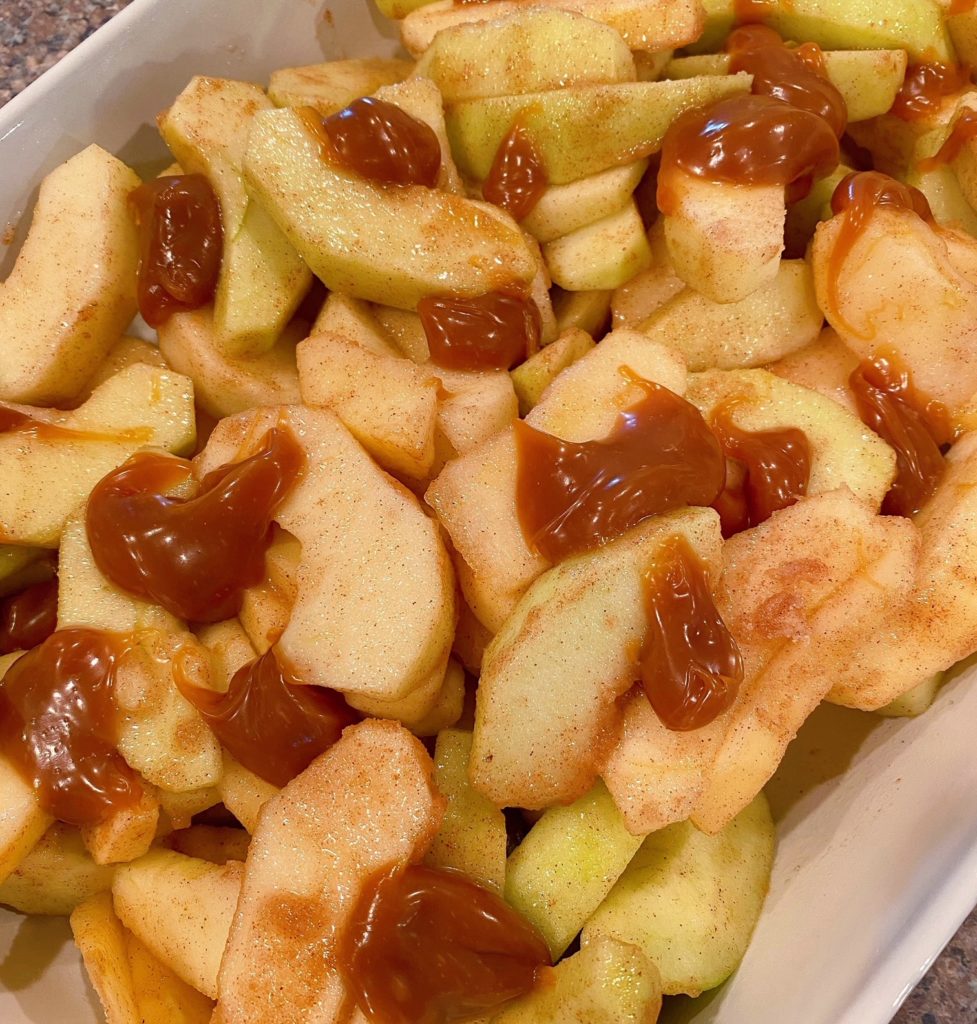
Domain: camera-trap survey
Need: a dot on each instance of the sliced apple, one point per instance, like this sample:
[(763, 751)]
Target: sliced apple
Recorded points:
[(524, 51), (367, 804), (138, 408), (824, 366), (583, 129), (474, 496), (535, 375), (356, 320), (586, 311), (243, 793), (644, 25), (370, 556), (126, 834), (101, 939), (389, 245), (123, 354), (72, 291), (262, 278), (547, 713), (335, 84)]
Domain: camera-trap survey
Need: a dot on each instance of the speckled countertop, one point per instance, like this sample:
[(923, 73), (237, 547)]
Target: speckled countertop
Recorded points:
[(35, 34)]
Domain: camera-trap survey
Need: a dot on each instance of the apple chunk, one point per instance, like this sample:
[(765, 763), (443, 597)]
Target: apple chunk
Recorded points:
[(141, 407), (370, 557), (366, 805), (384, 244), (72, 291), (546, 713), (330, 86)]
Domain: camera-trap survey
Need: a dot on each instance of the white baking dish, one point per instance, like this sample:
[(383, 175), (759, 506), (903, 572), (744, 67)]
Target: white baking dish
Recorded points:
[(877, 863)]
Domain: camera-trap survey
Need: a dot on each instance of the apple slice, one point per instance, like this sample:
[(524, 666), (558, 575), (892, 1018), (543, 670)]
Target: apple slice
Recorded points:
[(586, 311), (138, 408), (474, 497), (643, 24), (72, 291), (370, 556), (123, 354), (546, 713), (127, 834), (560, 873), (794, 590), (777, 318), (262, 278), (524, 51), (535, 375), (243, 793), (472, 837), (385, 244), (367, 804), (582, 129), (824, 366), (601, 255), (356, 320), (181, 908), (101, 939), (335, 84), (691, 901), (388, 403)]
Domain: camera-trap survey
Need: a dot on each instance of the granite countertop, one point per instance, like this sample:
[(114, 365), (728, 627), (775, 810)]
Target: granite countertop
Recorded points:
[(34, 35)]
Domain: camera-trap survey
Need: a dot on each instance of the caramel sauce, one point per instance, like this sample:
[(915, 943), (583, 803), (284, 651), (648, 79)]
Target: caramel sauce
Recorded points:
[(776, 471), (572, 496), (181, 245), (381, 142), (13, 421), (785, 132), (964, 131), (691, 667), (269, 721), (427, 946), (751, 11), (961, 7), (858, 196), (494, 331), (795, 75), (914, 425), (517, 178), (59, 725), (194, 557), (924, 86), (28, 618)]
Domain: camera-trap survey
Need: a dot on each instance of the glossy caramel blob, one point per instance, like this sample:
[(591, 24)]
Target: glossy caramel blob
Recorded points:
[(428, 946), (59, 725), (776, 471), (28, 618), (181, 244), (964, 130), (192, 557), (691, 667), (858, 196), (573, 496), (924, 86), (494, 331), (914, 426), (517, 178), (269, 721), (795, 75), (384, 143)]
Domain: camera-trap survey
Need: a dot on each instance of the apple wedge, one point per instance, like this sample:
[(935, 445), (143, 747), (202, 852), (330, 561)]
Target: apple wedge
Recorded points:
[(101, 940), (141, 407), (608, 982), (262, 277), (472, 837), (643, 24), (243, 793), (384, 244), (367, 804), (72, 291), (181, 908), (123, 354), (794, 589), (824, 366), (524, 51), (586, 311), (127, 834), (534, 376), (335, 84), (356, 320), (215, 843), (582, 129), (388, 403), (224, 385), (774, 320), (546, 713), (843, 451), (568, 862), (691, 901), (474, 497), (724, 240), (370, 556)]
